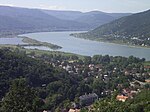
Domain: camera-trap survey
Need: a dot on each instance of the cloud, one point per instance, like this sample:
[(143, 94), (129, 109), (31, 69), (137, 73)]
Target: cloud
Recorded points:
[(52, 7), (41, 6), (7, 4)]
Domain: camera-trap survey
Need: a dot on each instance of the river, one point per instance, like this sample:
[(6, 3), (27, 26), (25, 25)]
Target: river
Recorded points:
[(80, 46), (87, 47)]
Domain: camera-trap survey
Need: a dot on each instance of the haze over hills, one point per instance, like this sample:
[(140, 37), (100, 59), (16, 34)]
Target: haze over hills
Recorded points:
[(19, 20), (132, 29), (47, 70), (93, 18), (16, 20), (66, 15)]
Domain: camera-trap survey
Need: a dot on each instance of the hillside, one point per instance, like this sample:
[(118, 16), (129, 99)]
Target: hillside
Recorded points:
[(17, 65), (92, 18), (15, 20), (65, 15), (14, 24), (132, 29), (95, 18), (138, 104), (20, 20), (58, 81)]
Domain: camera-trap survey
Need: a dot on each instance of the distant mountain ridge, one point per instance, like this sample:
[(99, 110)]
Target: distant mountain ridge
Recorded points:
[(65, 15), (15, 20), (22, 20), (133, 29), (93, 18)]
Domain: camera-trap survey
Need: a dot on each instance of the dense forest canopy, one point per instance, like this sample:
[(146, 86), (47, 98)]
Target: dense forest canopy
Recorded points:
[(54, 88)]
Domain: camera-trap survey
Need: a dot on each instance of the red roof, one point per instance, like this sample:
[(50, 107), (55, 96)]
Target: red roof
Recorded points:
[(121, 97), (148, 67), (147, 80)]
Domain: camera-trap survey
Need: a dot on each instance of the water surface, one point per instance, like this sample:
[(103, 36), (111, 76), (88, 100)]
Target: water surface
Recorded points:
[(87, 47), (13, 41)]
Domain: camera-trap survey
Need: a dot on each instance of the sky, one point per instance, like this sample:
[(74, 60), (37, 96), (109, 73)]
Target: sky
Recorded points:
[(124, 6)]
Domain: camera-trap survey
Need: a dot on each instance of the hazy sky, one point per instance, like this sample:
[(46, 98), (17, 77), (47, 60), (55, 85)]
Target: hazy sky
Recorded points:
[(83, 5)]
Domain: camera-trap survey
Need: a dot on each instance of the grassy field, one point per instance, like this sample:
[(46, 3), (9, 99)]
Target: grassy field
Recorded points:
[(33, 42), (39, 52), (147, 63), (112, 41)]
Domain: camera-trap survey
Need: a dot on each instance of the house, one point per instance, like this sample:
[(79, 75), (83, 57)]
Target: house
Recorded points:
[(147, 67), (46, 111), (126, 91), (91, 66), (121, 98), (86, 100), (147, 80), (68, 68), (74, 110), (127, 72)]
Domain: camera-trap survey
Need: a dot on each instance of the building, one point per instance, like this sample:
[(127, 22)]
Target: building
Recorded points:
[(121, 98), (88, 99), (68, 68), (46, 111), (74, 110), (147, 80), (147, 67)]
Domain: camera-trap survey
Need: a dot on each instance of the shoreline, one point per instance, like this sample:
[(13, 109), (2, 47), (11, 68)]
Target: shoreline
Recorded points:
[(34, 42), (40, 52), (117, 43), (27, 41)]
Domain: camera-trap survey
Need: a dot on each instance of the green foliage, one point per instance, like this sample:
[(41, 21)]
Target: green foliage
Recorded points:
[(36, 73), (87, 60), (132, 30), (140, 103), (20, 98), (53, 101), (33, 42), (56, 87), (98, 86)]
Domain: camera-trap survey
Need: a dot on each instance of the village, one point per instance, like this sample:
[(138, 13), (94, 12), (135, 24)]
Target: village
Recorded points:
[(136, 78)]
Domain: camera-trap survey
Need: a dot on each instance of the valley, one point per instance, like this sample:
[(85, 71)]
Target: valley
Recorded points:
[(74, 61), (123, 31)]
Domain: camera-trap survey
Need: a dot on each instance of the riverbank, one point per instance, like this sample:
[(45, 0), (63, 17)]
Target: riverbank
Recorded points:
[(33, 42), (119, 42), (81, 46), (39, 52), (29, 41)]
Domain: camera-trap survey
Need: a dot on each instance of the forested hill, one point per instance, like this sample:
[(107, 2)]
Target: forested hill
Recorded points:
[(15, 20), (136, 25), (93, 18), (21, 20), (133, 29), (141, 103), (15, 65), (58, 79)]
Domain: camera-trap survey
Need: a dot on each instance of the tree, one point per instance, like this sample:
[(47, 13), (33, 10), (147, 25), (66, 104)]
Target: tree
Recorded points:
[(87, 60), (20, 98), (98, 86), (53, 101)]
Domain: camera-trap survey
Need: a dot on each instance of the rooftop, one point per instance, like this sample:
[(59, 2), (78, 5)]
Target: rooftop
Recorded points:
[(121, 98), (86, 96)]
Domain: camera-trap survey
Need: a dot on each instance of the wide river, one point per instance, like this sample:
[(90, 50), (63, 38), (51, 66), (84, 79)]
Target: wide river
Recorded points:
[(81, 46), (87, 47)]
